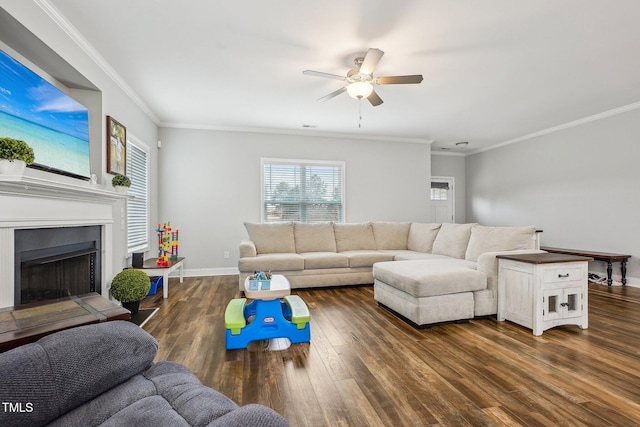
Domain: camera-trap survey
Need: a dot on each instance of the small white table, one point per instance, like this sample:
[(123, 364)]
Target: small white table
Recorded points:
[(153, 269), (278, 288), (543, 290)]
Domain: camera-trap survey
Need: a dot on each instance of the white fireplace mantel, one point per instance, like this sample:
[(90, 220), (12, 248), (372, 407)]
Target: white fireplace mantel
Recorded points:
[(32, 202), (39, 187)]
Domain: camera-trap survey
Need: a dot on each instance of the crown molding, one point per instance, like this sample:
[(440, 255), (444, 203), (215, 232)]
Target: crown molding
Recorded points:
[(313, 133), (568, 125), (448, 153), (61, 21)]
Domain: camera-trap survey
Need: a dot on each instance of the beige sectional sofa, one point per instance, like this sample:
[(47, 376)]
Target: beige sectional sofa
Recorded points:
[(415, 267)]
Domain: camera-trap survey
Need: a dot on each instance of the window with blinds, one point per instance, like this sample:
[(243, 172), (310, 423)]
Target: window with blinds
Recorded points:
[(302, 190), (138, 207)]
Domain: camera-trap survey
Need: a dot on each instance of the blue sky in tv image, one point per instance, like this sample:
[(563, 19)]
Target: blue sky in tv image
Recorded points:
[(52, 123)]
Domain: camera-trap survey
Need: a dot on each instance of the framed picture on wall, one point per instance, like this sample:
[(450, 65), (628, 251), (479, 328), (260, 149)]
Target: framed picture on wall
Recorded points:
[(116, 147)]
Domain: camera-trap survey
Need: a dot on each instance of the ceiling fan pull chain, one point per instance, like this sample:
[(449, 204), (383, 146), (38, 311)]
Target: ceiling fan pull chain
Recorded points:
[(360, 113)]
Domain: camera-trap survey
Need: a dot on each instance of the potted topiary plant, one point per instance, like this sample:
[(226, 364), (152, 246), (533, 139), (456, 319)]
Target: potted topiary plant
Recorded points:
[(130, 286), (121, 183), (15, 155)]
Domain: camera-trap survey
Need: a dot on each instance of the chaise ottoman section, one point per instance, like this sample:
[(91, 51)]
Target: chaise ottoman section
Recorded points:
[(425, 293)]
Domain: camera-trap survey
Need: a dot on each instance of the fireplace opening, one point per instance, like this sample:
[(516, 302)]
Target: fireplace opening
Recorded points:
[(56, 262)]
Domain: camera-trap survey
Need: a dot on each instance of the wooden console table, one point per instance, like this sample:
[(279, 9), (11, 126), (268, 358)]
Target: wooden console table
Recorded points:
[(29, 322), (153, 269), (609, 258)]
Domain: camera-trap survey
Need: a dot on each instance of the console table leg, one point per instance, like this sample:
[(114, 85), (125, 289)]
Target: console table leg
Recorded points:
[(623, 268), (609, 273)]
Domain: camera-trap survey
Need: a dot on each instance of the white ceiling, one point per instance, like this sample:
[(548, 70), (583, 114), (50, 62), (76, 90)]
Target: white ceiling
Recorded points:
[(494, 70)]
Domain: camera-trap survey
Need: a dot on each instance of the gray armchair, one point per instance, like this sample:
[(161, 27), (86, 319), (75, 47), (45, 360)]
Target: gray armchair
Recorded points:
[(104, 375)]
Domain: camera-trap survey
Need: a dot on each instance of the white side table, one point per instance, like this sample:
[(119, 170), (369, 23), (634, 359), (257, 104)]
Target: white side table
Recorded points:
[(152, 269), (543, 290)]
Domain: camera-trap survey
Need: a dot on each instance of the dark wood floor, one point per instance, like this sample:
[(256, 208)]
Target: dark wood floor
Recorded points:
[(364, 367)]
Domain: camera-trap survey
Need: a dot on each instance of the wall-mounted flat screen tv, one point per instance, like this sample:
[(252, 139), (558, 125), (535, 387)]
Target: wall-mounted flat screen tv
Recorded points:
[(55, 125)]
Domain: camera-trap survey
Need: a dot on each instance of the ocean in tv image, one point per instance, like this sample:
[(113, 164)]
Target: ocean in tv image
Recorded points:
[(55, 125)]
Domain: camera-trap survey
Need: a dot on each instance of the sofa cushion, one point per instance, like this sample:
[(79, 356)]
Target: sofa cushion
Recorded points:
[(273, 262), (410, 255), (167, 394), (421, 236), (366, 258), (425, 278), (324, 260), (64, 370), (391, 235), (354, 236), (314, 237), (493, 239), (272, 238), (452, 240)]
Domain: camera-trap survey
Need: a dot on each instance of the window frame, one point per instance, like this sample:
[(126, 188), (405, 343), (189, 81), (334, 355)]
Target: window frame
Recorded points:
[(138, 245), (341, 165)]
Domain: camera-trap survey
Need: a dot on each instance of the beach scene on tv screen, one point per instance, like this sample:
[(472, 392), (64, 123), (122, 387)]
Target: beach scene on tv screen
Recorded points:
[(55, 125)]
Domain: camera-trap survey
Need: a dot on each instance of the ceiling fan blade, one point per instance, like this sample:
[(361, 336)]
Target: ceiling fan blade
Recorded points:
[(325, 75), (332, 94), (374, 99), (399, 80), (370, 61)]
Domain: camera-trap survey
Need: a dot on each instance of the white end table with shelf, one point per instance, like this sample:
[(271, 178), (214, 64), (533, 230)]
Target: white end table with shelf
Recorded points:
[(543, 290), (153, 269)]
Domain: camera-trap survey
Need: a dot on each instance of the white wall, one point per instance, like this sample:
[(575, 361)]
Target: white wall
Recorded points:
[(210, 184), (580, 185), (455, 166), (115, 102)]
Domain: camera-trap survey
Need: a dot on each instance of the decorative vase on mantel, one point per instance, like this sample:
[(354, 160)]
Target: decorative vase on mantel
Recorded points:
[(15, 155), (12, 167)]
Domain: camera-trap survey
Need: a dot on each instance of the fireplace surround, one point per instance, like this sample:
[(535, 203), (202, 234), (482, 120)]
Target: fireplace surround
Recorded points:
[(29, 203)]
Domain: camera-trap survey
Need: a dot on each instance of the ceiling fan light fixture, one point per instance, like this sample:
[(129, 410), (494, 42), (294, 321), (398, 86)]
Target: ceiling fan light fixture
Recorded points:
[(359, 90)]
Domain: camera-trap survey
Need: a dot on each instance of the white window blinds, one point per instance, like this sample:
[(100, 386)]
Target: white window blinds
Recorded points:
[(138, 207), (302, 190)]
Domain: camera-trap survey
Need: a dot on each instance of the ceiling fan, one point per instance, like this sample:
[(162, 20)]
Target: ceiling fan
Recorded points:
[(360, 80)]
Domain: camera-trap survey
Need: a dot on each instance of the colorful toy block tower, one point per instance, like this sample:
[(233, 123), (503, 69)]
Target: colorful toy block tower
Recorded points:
[(167, 244)]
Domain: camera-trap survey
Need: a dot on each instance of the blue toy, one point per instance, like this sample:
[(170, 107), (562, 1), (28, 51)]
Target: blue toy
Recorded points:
[(263, 320)]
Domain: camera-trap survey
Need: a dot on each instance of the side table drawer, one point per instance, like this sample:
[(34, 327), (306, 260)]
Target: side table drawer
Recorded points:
[(569, 274)]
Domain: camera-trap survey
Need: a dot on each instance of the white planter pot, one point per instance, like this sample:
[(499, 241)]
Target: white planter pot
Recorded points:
[(12, 167), (121, 189)]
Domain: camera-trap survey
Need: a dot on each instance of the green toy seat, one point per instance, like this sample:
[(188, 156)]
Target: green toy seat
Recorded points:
[(234, 315), (299, 310)]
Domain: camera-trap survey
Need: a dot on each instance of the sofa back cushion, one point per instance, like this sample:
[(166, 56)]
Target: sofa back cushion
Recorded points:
[(422, 236), (314, 237), (69, 368), (452, 240), (272, 238), (391, 235), (494, 239), (356, 236)]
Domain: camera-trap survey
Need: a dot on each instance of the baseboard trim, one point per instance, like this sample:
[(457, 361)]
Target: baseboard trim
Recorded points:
[(633, 282), (199, 272)]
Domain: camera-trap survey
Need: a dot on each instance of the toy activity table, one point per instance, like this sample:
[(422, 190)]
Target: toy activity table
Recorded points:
[(273, 313)]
